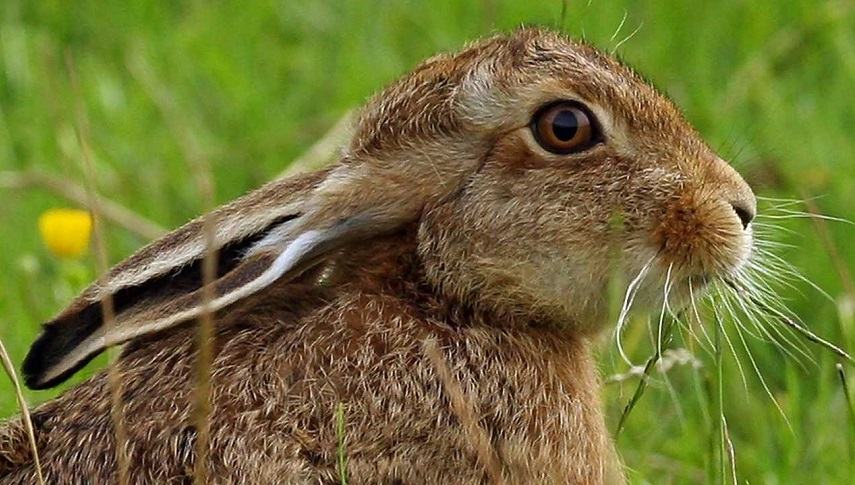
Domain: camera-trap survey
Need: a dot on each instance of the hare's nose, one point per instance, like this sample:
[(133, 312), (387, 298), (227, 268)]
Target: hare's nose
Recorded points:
[(744, 211), (735, 191)]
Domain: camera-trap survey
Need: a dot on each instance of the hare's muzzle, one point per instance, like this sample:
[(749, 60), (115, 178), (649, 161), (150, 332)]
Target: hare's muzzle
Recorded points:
[(706, 228)]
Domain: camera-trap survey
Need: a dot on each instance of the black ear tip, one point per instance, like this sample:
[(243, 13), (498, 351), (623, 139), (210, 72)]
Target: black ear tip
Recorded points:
[(54, 343), (33, 382), (36, 363)]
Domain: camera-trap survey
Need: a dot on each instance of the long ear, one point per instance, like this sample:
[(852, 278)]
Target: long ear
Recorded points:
[(275, 233)]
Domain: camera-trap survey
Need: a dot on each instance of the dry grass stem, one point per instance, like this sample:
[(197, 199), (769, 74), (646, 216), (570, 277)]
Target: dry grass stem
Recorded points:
[(464, 412), (25, 411), (671, 358), (731, 451), (196, 158), (113, 372), (324, 150), (645, 376), (111, 211), (204, 356), (850, 409), (341, 450), (821, 226)]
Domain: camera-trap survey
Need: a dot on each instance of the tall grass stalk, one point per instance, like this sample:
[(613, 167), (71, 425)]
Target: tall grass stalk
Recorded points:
[(718, 389), (850, 411), (9, 368), (341, 438), (114, 378), (645, 376), (465, 413), (198, 164)]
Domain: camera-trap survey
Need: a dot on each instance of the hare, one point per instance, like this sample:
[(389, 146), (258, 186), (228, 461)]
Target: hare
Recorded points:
[(443, 281)]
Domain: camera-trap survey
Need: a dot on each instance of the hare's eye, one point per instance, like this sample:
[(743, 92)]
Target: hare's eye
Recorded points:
[(564, 127)]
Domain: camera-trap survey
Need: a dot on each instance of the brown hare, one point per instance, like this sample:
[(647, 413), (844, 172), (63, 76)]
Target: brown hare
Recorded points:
[(456, 257)]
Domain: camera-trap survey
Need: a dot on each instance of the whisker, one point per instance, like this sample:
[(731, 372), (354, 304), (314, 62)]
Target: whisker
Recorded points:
[(793, 272), (781, 338), (629, 298), (696, 313), (762, 380), (757, 316), (668, 284), (762, 225), (802, 215), (675, 318), (800, 329), (765, 243), (725, 300), (727, 339), (757, 320), (689, 326), (787, 201), (763, 271)]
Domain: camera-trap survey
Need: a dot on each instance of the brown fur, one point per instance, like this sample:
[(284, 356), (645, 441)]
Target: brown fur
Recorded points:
[(459, 229)]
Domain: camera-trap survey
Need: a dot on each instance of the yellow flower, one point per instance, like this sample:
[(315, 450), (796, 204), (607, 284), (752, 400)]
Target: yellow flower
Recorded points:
[(66, 232)]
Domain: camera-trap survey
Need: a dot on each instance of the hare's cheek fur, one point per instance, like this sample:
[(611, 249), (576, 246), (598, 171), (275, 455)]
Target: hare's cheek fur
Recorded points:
[(531, 235)]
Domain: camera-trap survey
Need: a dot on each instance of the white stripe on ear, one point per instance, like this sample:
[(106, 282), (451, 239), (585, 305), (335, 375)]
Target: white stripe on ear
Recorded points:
[(293, 254), (239, 219), (290, 259)]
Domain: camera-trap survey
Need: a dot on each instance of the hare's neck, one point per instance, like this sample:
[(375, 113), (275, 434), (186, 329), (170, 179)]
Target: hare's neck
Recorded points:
[(390, 264), (534, 383)]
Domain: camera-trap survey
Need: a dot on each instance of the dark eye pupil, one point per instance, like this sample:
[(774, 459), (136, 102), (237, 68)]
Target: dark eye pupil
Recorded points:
[(565, 125)]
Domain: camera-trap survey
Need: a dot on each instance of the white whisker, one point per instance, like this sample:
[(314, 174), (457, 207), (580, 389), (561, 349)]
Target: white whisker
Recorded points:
[(800, 215), (762, 380), (696, 313), (763, 226), (762, 325), (668, 284), (793, 272), (720, 323), (629, 298)]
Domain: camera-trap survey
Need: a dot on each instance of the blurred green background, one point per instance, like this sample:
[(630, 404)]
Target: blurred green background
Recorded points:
[(250, 85)]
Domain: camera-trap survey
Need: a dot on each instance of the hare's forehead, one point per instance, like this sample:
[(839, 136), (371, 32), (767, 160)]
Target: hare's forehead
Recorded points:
[(497, 92)]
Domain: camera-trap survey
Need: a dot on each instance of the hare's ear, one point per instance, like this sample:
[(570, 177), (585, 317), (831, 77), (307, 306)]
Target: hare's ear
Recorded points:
[(262, 238)]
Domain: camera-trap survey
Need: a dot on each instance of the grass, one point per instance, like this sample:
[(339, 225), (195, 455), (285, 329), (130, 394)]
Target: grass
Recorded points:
[(341, 449), (768, 83)]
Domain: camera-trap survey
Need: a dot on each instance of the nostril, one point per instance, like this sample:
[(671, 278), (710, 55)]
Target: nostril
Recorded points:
[(745, 214)]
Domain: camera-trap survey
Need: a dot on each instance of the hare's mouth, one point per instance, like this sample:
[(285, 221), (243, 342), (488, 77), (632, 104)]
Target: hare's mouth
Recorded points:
[(662, 283)]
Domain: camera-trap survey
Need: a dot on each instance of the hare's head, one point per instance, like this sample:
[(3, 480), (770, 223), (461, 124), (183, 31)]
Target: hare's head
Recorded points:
[(535, 168), (580, 170)]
